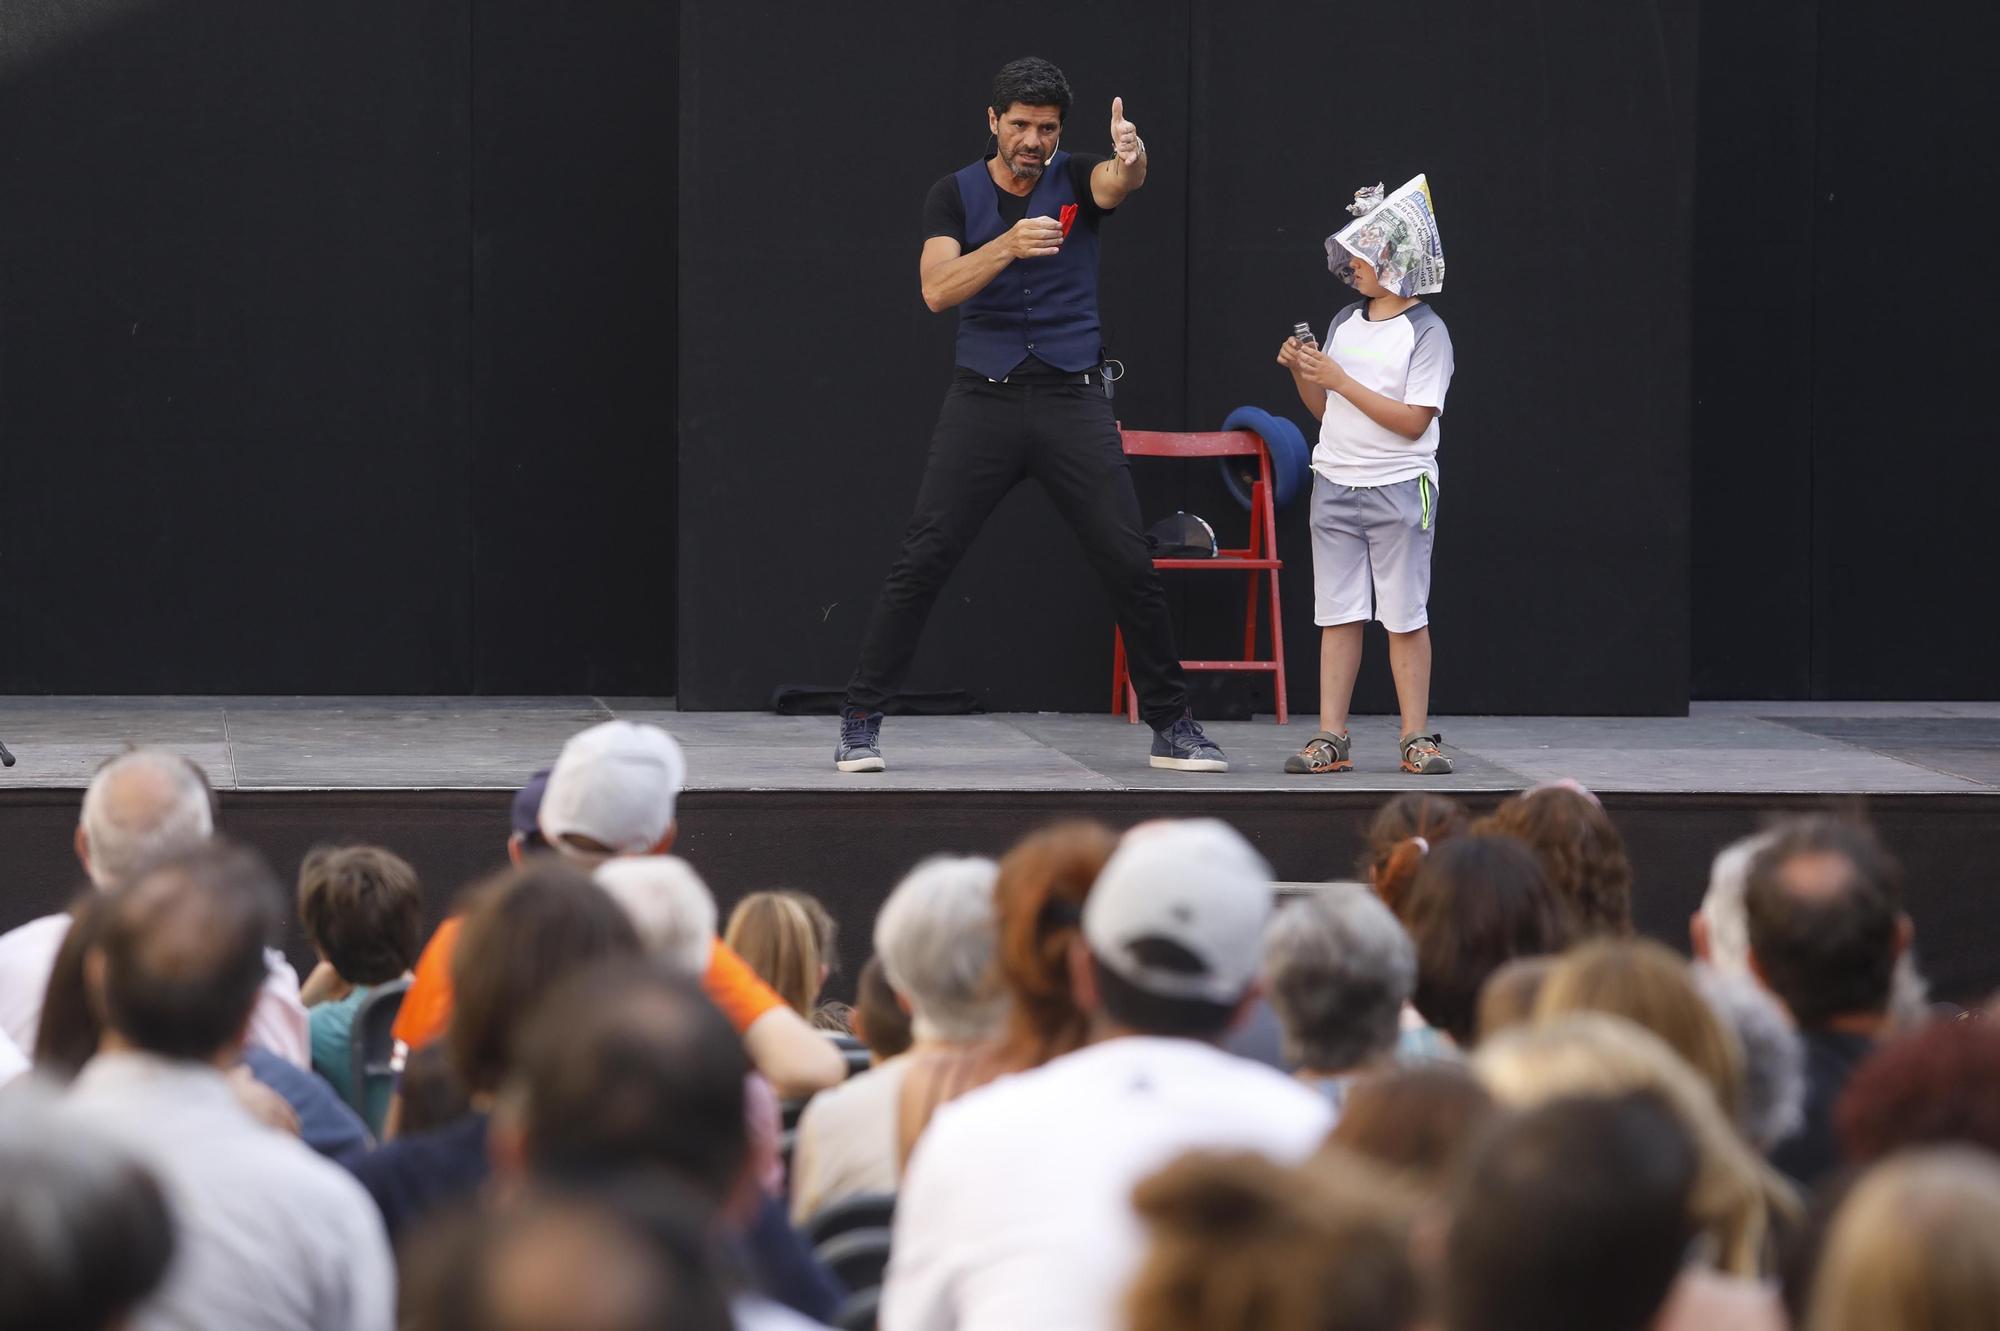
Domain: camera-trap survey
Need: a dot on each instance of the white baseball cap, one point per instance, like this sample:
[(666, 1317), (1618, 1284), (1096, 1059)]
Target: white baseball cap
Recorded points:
[(616, 784), (1179, 910)]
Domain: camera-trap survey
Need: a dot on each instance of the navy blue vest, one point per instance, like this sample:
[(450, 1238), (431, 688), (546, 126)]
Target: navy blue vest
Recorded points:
[(1045, 308)]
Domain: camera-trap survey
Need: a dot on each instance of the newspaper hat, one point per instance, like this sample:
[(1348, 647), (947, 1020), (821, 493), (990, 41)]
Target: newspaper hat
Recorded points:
[(1179, 910), (1396, 235)]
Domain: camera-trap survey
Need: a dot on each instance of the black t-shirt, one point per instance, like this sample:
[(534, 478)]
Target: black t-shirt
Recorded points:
[(944, 209), (944, 215)]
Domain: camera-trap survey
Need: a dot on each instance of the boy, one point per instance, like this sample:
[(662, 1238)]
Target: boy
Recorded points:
[(363, 911), (1377, 390)]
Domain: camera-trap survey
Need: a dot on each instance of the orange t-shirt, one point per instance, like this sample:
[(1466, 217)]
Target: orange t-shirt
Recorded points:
[(729, 982)]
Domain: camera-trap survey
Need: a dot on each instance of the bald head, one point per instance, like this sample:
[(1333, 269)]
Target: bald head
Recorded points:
[(142, 806), (1823, 906), (182, 952)]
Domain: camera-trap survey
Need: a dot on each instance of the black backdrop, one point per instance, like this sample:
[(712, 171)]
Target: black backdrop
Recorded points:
[(1561, 157), (339, 345)]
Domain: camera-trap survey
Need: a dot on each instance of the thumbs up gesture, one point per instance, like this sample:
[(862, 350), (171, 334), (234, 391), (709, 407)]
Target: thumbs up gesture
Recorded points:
[(1125, 141)]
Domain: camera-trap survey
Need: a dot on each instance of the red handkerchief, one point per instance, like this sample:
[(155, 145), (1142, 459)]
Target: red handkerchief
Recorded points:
[(1066, 215)]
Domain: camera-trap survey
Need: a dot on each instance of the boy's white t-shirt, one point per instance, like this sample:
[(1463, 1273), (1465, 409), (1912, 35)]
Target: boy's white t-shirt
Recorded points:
[(1407, 358)]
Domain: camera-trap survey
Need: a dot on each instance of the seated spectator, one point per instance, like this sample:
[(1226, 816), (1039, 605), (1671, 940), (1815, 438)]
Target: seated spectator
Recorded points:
[(1580, 851), (72, 1030), (1338, 968), (669, 905), (779, 936), (1823, 903), (935, 939), (428, 1092), (1646, 984), (1398, 835), (1915, 1247), (1774, 1059), (1477, 903), (1574, 1216), (1238, 1241), (85, 1227), (612, 794), (141, 806), (880, 1022), (1508, 997), (1739, 1203), (1016, 1208), (629, 1073), (1417, 1121), (525, 929), (363, 913), (1938, 1086), (269, 1234), (602, 1260)]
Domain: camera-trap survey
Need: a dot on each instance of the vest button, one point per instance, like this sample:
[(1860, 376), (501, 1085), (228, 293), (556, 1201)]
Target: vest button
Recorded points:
[(1031, 346)]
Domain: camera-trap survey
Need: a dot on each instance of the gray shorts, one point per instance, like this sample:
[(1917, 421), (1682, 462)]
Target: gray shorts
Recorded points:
[(1372, 553)]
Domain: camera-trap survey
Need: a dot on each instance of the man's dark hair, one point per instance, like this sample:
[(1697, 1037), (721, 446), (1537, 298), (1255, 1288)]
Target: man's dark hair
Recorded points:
[(630, 1069), (183, 950), (1826, 947), (1478, 902), (363, 908), (1571, 1217), (525, 929), (1150, 1014), (86, 1232), (1031, 81)]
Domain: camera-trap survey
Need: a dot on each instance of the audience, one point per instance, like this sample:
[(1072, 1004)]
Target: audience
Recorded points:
[(1823, 904), (1016, 1209), (1579, 849), (787, 938), (1738, 1201), (84, 1227), (268, 1235), (363, 912), (1055, 1108), (1573, 1216), (141, 806), (1938, 1086), (1338, 968), (523, 931), (935, 939), (1915, 1247), (1478, 902), (1648, 985), (1237, 1241)]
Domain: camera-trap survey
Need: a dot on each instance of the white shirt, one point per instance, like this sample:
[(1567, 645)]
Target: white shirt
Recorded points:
[(28, 956), (846, 1143), (12, 1061), (1015, 1210), (269, 1236), (1407, 358)]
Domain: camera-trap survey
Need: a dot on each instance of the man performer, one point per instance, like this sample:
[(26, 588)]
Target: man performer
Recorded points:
[(1011, 241)]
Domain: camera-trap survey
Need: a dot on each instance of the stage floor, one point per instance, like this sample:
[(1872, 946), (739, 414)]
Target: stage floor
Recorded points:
[(382, 743)]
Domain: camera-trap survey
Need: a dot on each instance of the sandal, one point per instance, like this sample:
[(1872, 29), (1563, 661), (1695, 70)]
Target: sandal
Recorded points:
[(1422, 756), (1324, 752)]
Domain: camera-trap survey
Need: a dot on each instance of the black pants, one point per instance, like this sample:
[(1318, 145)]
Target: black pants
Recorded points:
[(989, 437)]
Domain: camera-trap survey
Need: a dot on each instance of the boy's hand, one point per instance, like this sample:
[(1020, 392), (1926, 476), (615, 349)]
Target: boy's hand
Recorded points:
[(1321, 370), (1288, 354)]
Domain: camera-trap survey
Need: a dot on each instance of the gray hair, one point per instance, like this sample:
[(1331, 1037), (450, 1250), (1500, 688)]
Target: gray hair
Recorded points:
[(936, 936), (144, 805), (1774, 1058), (1722, 905), (670, 907), (1338, 968)]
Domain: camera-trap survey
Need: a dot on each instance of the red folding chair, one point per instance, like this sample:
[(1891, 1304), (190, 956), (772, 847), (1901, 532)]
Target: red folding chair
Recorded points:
[(1258, 556)]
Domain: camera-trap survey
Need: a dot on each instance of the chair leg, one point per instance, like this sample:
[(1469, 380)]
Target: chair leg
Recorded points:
[(1278, 649), (1117, 669)]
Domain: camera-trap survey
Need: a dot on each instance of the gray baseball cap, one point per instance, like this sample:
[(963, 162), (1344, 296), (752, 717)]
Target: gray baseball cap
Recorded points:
[(1179, 910)]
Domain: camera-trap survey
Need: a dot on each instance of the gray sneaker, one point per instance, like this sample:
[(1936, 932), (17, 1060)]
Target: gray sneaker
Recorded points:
[(860, 747), (1182, 747)]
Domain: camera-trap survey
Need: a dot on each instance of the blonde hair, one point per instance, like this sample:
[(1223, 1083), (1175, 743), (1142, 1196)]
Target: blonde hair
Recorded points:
[(778, 938), (1239, 1241), (1647, 984), (1915, 1247), (1735, 1195)]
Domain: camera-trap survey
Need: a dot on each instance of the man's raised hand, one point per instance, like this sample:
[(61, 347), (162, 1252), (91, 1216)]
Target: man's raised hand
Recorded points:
[(1125, 141), (1034, 238)]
